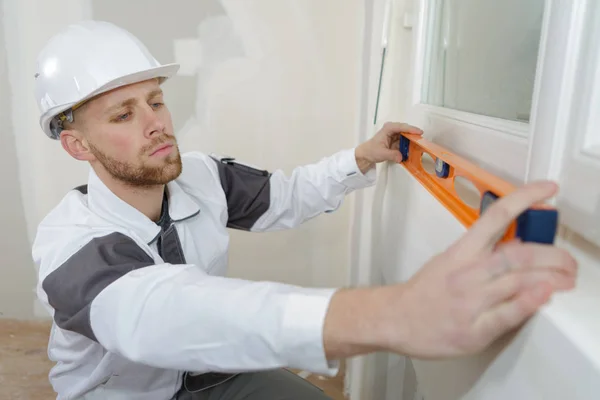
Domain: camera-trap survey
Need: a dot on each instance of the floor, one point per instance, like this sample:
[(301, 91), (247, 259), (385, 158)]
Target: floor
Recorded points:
[(24, 364)]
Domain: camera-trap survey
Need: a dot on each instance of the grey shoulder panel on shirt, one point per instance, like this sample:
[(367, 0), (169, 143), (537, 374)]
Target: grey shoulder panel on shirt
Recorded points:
[(73, 286), (248, 192)]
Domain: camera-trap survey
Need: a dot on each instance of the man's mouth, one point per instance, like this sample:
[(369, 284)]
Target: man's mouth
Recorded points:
[(162, 149)]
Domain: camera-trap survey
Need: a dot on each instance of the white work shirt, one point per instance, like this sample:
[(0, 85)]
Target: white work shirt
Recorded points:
[(129, 321)]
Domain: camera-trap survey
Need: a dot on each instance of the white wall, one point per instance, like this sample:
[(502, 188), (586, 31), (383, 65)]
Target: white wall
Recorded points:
[(44, 170), (272, 83), (16, 275), (556, 355)]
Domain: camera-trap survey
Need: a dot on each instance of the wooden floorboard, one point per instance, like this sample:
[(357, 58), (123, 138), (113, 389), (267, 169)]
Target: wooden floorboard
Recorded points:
[(24, 363)]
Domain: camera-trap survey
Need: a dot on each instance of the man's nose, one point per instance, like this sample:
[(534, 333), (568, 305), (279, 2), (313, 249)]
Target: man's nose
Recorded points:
[(154, 124)]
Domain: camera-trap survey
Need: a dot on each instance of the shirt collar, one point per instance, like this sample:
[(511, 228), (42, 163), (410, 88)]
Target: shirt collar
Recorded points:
[(106, 204)]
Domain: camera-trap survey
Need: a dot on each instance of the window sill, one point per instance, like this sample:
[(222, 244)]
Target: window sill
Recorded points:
[(575, 313), (514, 128)]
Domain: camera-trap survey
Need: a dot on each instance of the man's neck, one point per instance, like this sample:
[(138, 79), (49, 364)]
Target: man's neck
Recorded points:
[(147, 199)]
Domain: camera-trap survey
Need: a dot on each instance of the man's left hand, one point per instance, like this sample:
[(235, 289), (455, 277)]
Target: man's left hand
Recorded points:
[(383, 146)]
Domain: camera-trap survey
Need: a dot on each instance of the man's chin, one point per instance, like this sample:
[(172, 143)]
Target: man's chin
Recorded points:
[(153, 176), (167, 173), (172, 171)]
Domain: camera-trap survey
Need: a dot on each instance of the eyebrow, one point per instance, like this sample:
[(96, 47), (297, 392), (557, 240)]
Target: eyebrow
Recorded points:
[(132, 101), (154, 93)]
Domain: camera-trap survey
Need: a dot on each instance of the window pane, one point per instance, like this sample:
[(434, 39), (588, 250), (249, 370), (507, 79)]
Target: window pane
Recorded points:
[(481, 56)]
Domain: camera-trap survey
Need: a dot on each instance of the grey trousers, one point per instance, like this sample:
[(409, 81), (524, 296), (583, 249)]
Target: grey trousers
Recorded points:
[(268, 385)]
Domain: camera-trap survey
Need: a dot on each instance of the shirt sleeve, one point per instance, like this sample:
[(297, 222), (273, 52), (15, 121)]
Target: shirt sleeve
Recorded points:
[(258, 200), (178, 317)]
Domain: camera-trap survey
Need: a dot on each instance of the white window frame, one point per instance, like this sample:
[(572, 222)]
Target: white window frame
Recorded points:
[(516, 151), (562, 147), (499, 145)]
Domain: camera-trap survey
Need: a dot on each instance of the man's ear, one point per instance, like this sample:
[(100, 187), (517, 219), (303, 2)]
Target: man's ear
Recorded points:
[(76, 145)]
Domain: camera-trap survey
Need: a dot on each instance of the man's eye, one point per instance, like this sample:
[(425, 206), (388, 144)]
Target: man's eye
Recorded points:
[(157, 105), (122, 117)]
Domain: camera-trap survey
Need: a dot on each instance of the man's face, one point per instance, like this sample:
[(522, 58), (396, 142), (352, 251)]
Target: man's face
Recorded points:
[(128, 132)]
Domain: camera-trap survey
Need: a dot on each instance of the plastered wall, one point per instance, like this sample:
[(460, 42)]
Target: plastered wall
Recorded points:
[(16, 275), (272, 83)]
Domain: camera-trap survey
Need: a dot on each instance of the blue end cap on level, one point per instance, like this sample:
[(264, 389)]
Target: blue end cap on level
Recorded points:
[(537, 226), (404, 145), (533, 225)]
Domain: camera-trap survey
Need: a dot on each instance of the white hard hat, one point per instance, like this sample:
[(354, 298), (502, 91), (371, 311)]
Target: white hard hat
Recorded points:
[(86, 59)]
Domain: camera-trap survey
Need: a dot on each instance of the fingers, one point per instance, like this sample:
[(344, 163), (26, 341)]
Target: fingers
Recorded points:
[(512, 285), (485, 232), (396, 128), (515, 256), (534, 273), (393, 155), (509, 315), (519, 255)]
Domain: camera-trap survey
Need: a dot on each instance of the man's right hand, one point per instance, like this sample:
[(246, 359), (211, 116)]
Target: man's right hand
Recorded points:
[(461, 300)]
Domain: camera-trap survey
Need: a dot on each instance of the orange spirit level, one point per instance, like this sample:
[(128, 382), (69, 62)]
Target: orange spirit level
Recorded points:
[(537, 224)]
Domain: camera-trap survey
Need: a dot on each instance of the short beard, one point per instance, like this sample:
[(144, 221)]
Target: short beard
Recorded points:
[(142, 176)]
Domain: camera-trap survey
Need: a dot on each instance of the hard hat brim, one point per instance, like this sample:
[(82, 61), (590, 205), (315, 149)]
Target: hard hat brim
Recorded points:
[(164, 71)]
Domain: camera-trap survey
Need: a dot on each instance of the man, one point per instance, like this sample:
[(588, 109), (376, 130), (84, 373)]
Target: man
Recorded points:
[(132, 265)]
